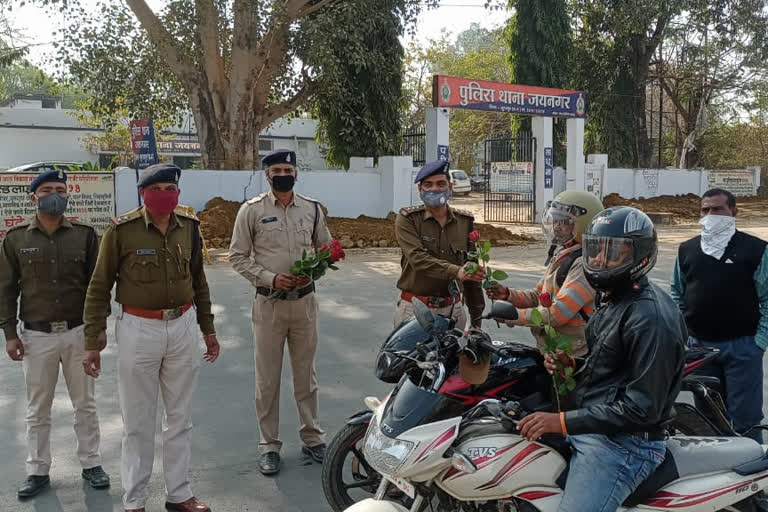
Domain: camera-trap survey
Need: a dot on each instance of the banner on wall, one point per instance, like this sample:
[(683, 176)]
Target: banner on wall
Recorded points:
[(738, 183), (455, 92), (91, 199), (143, 142)]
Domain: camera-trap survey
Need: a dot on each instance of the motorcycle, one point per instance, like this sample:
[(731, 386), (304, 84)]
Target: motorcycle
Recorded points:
[(476, 461), (517, 374)]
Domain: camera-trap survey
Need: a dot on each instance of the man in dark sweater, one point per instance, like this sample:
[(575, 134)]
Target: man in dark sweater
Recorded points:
[(720, 283)]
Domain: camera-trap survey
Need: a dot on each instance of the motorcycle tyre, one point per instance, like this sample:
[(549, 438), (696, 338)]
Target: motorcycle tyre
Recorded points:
[(333, 465)]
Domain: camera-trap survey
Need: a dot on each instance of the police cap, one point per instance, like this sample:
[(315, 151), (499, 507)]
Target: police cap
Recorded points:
[(56, 175), (159, 173), (279, 156), (432, 168)]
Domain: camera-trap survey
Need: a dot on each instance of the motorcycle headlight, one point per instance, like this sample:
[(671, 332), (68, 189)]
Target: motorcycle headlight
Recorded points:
[(385, 454)]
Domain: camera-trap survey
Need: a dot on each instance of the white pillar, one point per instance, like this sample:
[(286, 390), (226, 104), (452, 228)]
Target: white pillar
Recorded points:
[(542, 132), (575, 153), (438, 135)]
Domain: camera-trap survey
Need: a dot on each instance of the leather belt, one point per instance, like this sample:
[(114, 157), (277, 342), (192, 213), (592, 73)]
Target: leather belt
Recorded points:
[(158, 314), (289, 294), (433, 302), (51, 327), (654, 435)]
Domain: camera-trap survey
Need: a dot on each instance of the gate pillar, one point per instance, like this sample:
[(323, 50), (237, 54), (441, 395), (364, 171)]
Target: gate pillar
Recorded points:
[(575, 154), (438, 135), (543, 174)]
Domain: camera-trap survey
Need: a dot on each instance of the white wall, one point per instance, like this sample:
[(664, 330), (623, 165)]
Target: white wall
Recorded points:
[(635, 183), (27, 145), (373, 191)]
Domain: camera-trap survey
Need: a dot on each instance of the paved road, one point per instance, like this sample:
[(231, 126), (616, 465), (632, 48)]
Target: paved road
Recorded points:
[(356, 315)]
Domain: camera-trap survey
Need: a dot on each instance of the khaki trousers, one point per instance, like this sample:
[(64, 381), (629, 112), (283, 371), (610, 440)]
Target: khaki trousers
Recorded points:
[(274, 323), (404, 310), (164, 356), (43, 353)]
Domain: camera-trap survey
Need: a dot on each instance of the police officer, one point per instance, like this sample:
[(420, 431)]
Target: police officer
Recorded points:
[(271, 231), (434, 239), (48, 261), (155, 255)]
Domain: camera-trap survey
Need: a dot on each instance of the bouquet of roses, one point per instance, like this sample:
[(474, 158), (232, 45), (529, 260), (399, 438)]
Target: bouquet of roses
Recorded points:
[(313, 266)]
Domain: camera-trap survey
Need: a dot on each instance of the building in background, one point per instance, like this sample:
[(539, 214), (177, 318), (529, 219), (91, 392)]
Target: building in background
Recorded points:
[(35, 128)]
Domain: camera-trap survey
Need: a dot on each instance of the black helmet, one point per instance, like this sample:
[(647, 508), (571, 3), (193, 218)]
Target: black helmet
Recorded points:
[(619, 248)]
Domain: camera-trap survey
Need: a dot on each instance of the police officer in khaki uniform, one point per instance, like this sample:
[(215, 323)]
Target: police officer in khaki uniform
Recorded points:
[(434, 239), (154, 253), (48, 263), (270, 233)]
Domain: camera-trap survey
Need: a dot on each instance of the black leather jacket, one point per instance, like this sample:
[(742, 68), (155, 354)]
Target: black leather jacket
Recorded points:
[(632, 374)]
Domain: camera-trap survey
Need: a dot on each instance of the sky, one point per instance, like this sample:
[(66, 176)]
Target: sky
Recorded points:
[(37, 25)]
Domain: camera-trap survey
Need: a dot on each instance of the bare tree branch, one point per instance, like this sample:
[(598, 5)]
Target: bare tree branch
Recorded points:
[(213, 62), (307, 10), (161, 38)]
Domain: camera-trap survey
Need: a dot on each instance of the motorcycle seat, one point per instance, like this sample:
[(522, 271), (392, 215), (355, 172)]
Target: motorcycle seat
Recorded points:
[(696, 455)]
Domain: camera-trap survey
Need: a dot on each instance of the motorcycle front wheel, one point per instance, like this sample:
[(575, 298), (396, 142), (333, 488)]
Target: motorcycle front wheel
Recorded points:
[(347, 477)]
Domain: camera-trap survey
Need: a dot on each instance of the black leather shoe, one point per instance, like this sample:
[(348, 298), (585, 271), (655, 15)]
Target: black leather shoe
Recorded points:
[(33, 485), (316, 452), (270, 463), (97, 477)]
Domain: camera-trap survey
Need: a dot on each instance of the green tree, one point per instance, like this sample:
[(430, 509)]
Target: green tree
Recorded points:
[(238, 65), (539, 37)]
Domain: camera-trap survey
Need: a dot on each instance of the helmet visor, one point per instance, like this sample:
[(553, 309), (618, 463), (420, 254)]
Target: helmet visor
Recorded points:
[(607, 253), (558, 222)]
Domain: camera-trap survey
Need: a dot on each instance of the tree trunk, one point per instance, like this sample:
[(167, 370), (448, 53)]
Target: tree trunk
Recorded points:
[(640, 65)]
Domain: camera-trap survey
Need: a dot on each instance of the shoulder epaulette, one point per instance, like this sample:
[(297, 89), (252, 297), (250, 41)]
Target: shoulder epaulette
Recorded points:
[(80, 223), (187, 212), (412, 209), (24, 225), (310, 199), (465, 213), (127, 217), (257, 198)]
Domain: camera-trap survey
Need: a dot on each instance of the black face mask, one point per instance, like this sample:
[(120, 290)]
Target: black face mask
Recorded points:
[(283, 183)]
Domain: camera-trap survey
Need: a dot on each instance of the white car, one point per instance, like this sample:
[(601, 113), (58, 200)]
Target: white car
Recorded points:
[(461, 183)]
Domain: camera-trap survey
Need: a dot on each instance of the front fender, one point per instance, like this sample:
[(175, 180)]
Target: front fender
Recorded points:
[(360, 418), (371, 505)]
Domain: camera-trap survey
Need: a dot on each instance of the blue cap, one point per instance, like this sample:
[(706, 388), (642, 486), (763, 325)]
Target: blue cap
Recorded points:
[(279, 156), (436, 167), (58, 176), (159, 173)]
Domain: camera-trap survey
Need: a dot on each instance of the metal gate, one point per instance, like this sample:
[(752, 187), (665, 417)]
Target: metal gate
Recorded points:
[(414, 145), (510, 179)]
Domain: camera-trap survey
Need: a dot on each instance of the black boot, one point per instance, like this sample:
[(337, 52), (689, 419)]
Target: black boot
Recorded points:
[(33, 485)]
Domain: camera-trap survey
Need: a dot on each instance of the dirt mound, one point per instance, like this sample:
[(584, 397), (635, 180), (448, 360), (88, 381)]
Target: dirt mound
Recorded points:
[(685, 208), (218, 220)]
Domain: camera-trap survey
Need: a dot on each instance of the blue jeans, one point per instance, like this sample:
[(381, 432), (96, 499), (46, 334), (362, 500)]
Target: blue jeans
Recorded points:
[(605, 470), (739, 366)]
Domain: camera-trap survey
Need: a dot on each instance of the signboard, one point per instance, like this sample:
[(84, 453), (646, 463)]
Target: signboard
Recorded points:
[(511, 177), (453, 92), (548, 163), (443, 153), (738, 183), (91, 199), (593, 179), (178, 145), (143, 142)]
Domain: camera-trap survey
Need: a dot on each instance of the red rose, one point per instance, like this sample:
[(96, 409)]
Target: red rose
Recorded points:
[(474, 236), (337, 252), (545, 299), (324, 247)]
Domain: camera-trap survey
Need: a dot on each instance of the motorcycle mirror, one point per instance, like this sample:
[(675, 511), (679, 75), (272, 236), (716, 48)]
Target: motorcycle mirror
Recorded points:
[(453, 288), (503, 311), (423, 315)]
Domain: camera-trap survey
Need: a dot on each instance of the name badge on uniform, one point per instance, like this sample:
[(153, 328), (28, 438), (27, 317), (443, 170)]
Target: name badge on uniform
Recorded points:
[(29, 250), (428, 239), (269, 219), (145, 252)]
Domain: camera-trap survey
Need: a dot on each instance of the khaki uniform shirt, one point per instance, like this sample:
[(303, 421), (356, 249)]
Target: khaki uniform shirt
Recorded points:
[(152, 270), (269, 237), (433, 254), (49, 271)]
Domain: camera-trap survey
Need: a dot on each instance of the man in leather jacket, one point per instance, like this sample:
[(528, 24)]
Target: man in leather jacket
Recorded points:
[(628, 383)]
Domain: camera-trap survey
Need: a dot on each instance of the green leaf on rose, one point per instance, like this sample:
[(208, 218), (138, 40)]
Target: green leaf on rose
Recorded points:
[(569, 371), (552, 334), (486, 244), (485, 257), (499, 275), (473, 255), (471, 268), (488, 283), (303, 254), (333, 267), (536, 318), (570, 384)]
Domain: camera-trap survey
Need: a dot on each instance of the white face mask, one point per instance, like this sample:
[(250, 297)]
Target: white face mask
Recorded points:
[(716, 232)]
